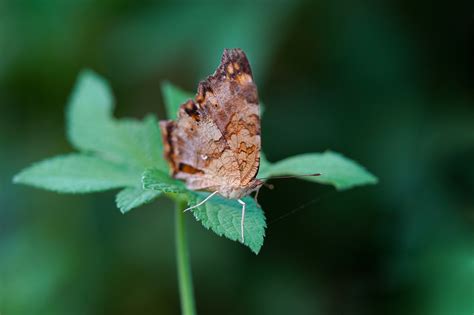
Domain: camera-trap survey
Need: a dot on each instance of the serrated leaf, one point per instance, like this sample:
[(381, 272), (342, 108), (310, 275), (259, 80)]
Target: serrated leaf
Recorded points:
[(335, 169), (77, 173), (223, 216), (131, 197), (173, 97), (92, 128), (155, 179)]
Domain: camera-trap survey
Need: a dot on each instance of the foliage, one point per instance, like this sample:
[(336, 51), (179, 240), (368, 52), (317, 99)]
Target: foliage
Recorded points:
[(335, 169), (118, 153), (77, 173)]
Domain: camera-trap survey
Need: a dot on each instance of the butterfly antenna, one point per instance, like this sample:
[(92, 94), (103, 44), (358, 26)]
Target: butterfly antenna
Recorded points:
[(292, 176)]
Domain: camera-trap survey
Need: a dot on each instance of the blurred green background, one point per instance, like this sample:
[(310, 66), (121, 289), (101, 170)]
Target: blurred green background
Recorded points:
[(387, 83)]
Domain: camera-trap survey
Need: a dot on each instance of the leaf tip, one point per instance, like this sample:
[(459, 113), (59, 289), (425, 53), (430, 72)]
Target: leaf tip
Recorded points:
[(165, 84), (88, 73), (17, 179), (122, 210), (256, 251), (373, 180), (22, 177)]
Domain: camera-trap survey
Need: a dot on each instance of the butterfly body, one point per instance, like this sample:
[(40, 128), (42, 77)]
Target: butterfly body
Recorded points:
[(237, 192)]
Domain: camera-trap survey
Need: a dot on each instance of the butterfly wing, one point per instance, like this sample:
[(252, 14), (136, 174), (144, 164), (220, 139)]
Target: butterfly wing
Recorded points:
[(215, 141), (197, 151), (230, 97)]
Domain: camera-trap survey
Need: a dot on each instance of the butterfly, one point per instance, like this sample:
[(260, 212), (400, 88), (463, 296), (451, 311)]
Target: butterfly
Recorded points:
[(214, 144)]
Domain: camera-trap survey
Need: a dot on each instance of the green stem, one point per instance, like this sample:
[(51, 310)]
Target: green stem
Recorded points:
[(184, 267)]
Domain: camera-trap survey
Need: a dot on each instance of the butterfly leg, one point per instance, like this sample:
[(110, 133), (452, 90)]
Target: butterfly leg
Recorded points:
[(202, 202), (242, 220), (256, 196)]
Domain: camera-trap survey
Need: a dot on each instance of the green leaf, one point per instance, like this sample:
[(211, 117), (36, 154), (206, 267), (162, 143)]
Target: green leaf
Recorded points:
[(335, 169), (89, 112), (174, 97), (121, 149), (152, 144), (223, 216), (130, 198), (264, 168), (137, 143), (92, 128), (155, 179), (77, 173)]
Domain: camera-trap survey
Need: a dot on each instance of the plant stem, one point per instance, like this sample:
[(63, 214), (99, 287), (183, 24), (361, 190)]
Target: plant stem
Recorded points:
[(184, 267)]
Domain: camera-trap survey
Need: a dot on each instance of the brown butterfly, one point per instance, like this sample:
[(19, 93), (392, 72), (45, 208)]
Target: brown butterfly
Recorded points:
[(214, 144)]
